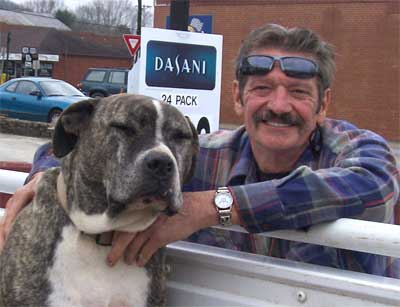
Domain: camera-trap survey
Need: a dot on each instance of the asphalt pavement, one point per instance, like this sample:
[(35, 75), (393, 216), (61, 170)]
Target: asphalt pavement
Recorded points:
[(16, 148)]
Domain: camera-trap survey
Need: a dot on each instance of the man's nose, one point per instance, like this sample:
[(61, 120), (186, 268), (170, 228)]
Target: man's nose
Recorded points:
[(279, 102)]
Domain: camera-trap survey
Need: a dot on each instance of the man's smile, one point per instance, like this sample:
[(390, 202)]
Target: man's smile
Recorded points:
[(276, 124)]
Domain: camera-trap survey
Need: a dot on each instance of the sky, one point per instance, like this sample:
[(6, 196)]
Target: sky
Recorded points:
[(72, 4)]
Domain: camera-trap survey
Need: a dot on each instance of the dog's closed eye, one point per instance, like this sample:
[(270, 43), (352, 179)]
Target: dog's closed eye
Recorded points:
[(180, 135), (129, 130)]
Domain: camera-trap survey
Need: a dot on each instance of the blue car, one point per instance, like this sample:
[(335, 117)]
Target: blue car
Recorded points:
[(37, 99)]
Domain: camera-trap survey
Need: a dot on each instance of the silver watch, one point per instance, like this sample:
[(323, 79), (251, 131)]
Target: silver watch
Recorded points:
[(223, 201)]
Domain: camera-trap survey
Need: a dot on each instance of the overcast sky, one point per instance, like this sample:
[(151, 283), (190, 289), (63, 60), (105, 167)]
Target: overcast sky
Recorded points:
[(72, 4)]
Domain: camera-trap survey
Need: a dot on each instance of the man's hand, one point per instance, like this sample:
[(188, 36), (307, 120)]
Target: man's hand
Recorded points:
[(198, 212), (15, 204)]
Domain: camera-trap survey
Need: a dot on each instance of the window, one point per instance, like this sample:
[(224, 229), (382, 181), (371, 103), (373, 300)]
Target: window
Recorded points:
[(96, 75), (26, 87), (12, 87), (117, 77)]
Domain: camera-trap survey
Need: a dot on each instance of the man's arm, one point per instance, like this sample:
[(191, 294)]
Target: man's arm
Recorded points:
[(361, 180), (42, 160)]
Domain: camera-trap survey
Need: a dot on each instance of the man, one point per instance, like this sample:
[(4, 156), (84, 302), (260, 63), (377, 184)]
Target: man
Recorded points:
[(288, 167)]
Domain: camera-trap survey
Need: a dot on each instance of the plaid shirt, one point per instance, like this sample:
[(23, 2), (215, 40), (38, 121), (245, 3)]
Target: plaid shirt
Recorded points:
[(353, 175)]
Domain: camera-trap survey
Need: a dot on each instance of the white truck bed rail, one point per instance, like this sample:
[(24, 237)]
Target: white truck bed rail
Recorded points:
[(208, 276)]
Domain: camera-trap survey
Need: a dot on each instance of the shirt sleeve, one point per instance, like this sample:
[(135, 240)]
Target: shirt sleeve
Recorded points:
[(42, 160), (361, 180)]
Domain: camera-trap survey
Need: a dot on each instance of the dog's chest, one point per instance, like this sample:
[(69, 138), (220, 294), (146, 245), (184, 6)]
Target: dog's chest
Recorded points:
[(80, 276)]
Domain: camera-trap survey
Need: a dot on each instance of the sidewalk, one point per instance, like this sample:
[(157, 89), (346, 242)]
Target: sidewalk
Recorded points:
[(16, 148)]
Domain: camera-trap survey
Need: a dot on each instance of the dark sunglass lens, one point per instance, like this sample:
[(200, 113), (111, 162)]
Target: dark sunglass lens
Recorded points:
[(299, 68), (256, 65)]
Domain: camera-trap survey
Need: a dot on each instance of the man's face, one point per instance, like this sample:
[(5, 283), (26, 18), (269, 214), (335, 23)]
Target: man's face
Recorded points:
[(280, 112)]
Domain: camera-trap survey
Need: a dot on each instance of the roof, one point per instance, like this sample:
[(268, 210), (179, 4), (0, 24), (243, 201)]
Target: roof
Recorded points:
[(51, 41), (32, 19)]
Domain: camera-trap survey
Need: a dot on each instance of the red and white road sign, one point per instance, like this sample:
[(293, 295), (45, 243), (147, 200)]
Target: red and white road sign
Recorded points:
[(133, 43)]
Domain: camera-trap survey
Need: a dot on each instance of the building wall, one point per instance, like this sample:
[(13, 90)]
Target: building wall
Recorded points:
[(367, 39), (73, 68)]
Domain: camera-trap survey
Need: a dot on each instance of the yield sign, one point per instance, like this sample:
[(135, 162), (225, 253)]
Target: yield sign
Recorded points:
[(133, 43)]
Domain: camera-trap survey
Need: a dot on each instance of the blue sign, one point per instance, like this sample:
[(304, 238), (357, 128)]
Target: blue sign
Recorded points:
[(197, 23), (177, 65)]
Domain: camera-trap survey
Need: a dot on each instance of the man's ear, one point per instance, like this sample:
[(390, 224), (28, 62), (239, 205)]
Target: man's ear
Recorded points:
[(326, 100), (70, 124), (239, 108)]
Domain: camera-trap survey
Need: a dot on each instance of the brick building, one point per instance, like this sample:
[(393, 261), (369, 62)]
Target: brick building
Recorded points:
[(63, 55), (367, 40)]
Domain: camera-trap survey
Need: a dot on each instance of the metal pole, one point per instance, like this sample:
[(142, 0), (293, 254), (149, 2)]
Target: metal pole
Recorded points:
[(139, 18), (2, 59), (179, 15), (8, 52)]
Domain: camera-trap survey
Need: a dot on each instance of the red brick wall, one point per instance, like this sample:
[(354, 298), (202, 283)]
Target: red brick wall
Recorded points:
[(367, 39), (73, 68)]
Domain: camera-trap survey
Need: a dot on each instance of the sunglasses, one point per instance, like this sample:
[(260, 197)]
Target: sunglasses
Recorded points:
[(295, 67)]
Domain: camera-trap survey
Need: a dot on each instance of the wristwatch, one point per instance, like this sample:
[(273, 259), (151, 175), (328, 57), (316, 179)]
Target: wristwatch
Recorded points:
[(223, 201)]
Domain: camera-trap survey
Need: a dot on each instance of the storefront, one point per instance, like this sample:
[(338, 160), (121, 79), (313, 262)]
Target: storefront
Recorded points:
[(15, 68)]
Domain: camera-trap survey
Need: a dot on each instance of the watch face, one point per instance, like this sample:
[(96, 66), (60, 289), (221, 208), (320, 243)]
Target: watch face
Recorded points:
[(223, 200)]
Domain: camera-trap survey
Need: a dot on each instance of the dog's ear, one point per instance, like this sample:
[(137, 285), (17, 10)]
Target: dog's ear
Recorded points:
[(195, 151), (69, 125)]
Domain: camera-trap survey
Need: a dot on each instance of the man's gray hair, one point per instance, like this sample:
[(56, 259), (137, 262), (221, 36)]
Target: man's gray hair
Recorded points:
[(292, 40)]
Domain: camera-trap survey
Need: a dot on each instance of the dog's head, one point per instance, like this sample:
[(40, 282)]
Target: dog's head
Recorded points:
[(125, 160)]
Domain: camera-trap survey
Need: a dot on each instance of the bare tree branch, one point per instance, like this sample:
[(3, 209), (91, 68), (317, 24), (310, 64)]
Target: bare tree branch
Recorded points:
[(43, 6)]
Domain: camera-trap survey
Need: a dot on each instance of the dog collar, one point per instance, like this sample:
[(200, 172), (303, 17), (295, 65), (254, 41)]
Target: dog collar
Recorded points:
[(104, 239)]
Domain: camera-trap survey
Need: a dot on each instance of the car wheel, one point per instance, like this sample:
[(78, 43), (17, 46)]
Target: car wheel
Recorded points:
[(54, 115), (97, 94)]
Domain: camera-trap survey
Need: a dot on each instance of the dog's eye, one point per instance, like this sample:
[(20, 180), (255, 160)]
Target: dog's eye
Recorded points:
[(128, 130), (180, 135)]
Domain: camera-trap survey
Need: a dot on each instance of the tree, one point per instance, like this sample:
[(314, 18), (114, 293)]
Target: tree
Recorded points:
[(66, 16), (147, 18), (43, 6), (8, 5), (110, 17), (106, 12)]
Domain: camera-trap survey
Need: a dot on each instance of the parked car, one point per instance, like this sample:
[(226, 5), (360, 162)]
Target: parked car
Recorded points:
[(35, 98), (103, 82)]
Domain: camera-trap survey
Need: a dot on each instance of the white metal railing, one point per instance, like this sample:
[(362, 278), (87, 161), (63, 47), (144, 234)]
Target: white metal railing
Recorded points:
[(363, 236), (11, 180), (358, 235), (210, 276)]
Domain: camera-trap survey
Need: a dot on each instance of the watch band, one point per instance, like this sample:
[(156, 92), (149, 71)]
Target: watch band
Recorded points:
[(225, 217)]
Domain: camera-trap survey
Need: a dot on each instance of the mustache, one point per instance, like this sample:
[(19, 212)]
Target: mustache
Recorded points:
[(283, 118)]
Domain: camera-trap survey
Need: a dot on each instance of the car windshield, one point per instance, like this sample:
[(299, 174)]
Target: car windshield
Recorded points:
[(59, 88)]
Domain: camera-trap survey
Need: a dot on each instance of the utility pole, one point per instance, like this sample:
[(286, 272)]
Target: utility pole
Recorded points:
[(8, 53), (179, 15), (2, 60), (139, 18)]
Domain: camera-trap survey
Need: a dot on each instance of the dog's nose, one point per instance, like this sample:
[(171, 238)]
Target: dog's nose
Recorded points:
[(170, 211), (160, 165)]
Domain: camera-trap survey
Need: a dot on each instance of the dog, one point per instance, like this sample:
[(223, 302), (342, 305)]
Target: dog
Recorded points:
[(124, 159)]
